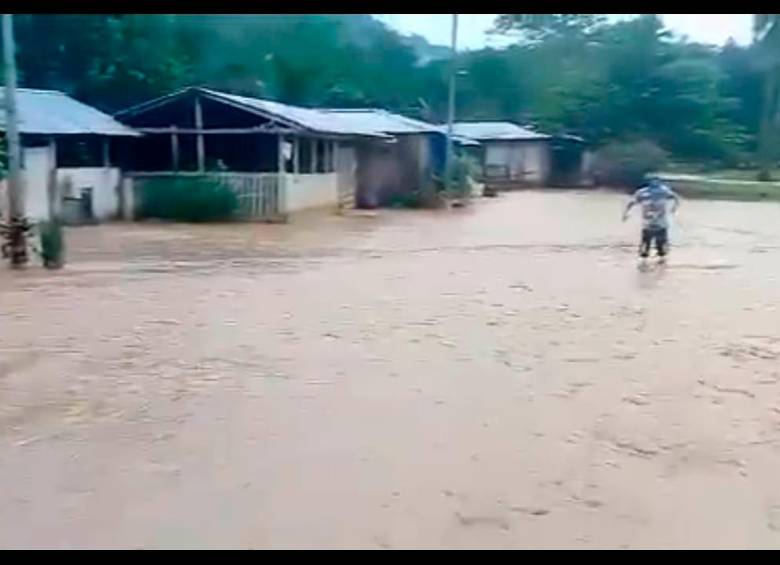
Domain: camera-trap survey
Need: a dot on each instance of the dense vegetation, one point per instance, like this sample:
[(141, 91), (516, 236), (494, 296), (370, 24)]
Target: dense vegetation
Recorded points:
[(611, 82), (188, 200)]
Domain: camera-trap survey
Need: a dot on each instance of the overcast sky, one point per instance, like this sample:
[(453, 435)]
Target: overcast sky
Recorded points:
[(706, 28)]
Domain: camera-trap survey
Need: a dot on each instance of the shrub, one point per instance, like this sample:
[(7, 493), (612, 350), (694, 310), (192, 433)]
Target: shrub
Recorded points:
[(188, 200), (3, 158), (406, 200), (52, 244), (625, 165)]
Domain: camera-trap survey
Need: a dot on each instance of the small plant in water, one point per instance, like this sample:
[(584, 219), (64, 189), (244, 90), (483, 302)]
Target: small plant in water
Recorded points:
[(52, 244)]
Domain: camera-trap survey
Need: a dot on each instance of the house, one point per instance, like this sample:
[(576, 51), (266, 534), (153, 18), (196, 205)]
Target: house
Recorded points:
[(391, 172), (71, 146), (572, 162), (280, 159), (511, 155)]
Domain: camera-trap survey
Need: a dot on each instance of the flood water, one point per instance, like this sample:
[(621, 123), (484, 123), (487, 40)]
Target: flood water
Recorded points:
[(500, 376)]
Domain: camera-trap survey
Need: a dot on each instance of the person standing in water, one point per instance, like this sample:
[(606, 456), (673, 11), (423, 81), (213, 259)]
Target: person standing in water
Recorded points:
[(653, 197)]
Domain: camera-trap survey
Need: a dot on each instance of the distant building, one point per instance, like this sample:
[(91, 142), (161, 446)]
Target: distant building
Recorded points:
[(389, 172), (70, 146), (280, 159), (511, 155)]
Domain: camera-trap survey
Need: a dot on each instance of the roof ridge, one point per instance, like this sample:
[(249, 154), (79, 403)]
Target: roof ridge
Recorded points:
[(40, 90)]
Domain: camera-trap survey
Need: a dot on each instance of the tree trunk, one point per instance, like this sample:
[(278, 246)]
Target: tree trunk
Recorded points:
[(767, 128)]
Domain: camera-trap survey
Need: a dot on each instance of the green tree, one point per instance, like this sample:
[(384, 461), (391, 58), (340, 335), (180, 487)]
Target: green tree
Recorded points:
[(611, 82), (543, 26), (628, 80)]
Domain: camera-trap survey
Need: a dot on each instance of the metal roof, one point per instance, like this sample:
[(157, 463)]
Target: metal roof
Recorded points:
[(496, 131), (381, 121), (50, 112), (306, 119), (312, 119)]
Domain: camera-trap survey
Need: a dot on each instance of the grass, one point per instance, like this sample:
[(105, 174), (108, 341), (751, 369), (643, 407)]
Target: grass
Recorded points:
[(726, 189), (723, 184), (704, 170), (740, 174)]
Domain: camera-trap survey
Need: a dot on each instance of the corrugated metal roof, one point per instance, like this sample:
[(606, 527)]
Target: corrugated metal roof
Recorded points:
[(305, 119), (316, 120), (382, 121), (49, 112), (496, 131)]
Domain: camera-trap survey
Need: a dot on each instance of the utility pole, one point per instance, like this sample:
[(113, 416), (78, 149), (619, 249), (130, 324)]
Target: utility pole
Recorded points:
[(18, 225), (451, 107)]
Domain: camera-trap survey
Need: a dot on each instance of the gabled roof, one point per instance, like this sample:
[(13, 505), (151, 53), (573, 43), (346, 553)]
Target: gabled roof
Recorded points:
[(496, 131), (309, 118), (50, 112), (381, 121), (304, 119)]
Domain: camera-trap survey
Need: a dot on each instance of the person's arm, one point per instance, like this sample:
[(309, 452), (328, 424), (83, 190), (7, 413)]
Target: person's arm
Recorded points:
[(676, 199), (631, 203)]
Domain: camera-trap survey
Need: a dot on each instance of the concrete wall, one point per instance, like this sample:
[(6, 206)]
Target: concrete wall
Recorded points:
[(37, 164), (388, 171), (307, 192), (539, 161), (524, 161), (104, 182)]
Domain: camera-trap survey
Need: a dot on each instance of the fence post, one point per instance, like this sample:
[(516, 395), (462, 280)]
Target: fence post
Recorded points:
[(128, 198), (281, 184)]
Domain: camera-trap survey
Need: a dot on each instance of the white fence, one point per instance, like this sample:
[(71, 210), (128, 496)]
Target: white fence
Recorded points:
[(260, 195)]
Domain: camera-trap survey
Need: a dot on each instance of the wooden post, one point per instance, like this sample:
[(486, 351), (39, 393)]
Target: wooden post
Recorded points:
[(314, 163), (282, 184), (106, 152), (52, 188), (450, 153), (296, 155), (200, 141), (174, 149), (16, 197)]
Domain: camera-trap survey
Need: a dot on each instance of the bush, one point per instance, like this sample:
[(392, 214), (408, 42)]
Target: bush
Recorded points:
[(188, 200), (463, 170), (3, 158), (625, 165), (52, 244), (407, 200)]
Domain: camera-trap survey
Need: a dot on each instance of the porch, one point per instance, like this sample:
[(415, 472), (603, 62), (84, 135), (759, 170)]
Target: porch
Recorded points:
[(277, 159)]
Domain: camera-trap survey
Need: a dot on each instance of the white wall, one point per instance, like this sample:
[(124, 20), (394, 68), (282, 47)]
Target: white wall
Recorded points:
[(527, 161), (536, 161), (104, 182), (37, 162), (497, 154), (305, 192)]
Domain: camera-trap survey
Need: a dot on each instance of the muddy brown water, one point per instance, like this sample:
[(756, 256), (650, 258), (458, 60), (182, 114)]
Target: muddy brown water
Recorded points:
[(501, 376)]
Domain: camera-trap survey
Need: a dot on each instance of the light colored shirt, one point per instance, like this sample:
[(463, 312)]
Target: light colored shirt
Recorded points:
[(654, 203)]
